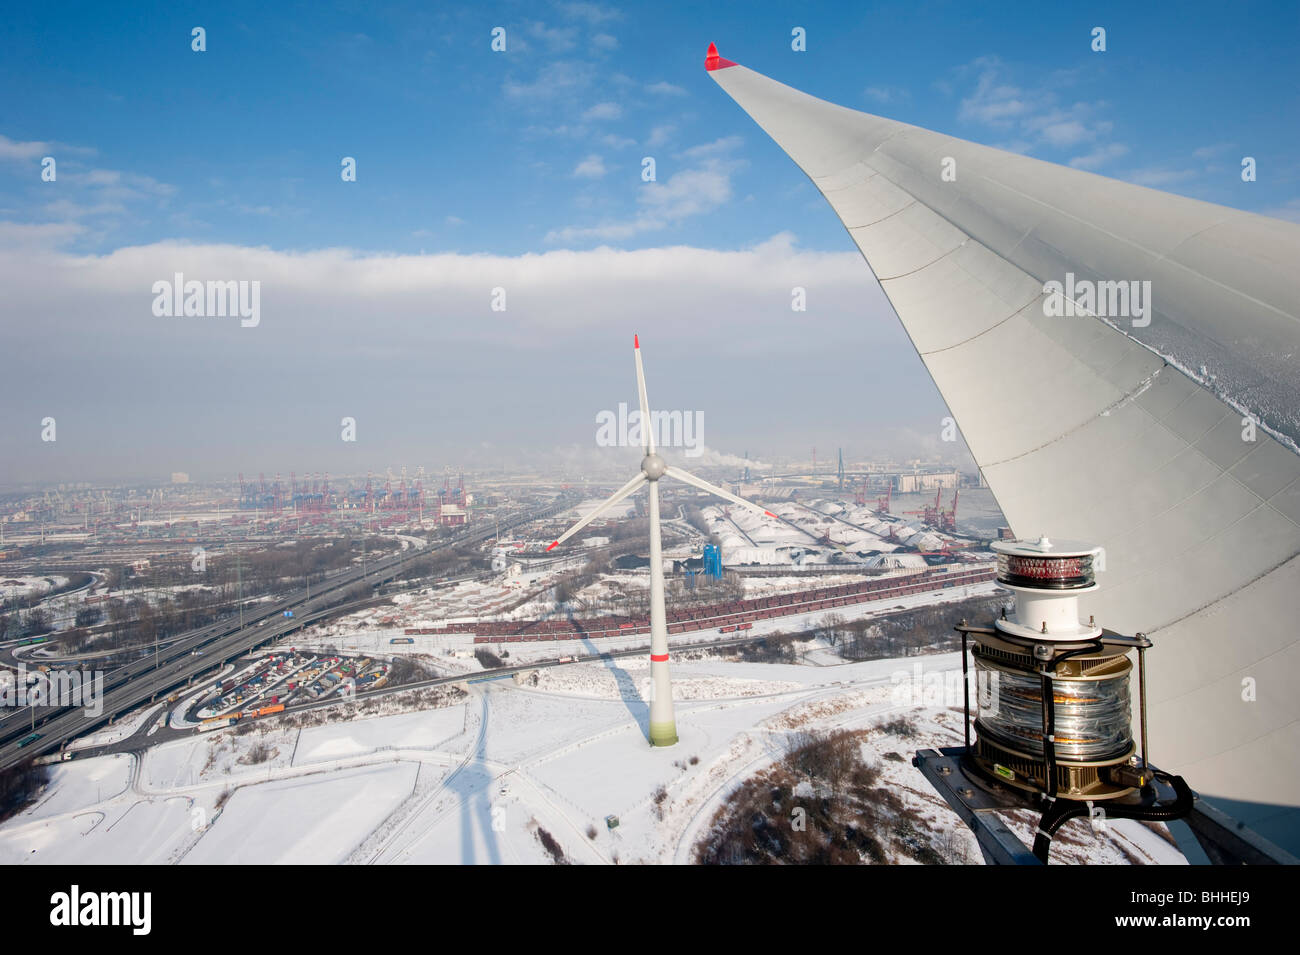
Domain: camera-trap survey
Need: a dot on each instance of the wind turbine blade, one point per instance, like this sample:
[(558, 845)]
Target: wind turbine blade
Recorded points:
[(617, 496), (647, 432), (688, 478)]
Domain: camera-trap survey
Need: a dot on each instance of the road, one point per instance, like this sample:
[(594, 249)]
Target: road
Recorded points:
[(186, 659)]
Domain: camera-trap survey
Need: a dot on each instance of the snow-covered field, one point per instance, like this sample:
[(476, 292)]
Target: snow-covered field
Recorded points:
[(493, 778), (423, 730), (75, 786), (12, 588), (615, 679), (304, 821)]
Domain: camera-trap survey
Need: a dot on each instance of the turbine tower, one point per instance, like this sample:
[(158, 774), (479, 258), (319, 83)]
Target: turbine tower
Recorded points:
[(663, 725)]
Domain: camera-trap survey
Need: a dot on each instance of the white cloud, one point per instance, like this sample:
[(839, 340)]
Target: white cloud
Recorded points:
[(663, 88), (553, 80), (593, 167), (557, 39), (563, 131), (19, 151), (119, 185), (1033, 117), (993, 102), (1099, 156), (604, 41), (603, 111), (718, 147), (66, 209), (593, 13), (660, 135), (551, 290), (1209, 152), (1064, 132), (81, 193), (687, 193), (37, 237), (886, 94), (691, 191)]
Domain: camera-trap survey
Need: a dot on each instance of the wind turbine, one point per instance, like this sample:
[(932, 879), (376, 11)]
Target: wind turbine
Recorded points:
[(663, 725)]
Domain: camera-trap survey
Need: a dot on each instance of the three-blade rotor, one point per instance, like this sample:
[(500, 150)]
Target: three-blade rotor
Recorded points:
[(652, 467)]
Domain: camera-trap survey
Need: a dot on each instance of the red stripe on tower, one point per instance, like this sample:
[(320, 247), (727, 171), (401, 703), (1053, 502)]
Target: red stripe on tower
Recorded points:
[(658, 658)]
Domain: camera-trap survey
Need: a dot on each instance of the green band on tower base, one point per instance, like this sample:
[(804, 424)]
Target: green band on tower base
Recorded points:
[(663, 734)]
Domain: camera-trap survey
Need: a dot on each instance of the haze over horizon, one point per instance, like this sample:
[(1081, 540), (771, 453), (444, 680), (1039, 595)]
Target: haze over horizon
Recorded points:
[(522, 171)]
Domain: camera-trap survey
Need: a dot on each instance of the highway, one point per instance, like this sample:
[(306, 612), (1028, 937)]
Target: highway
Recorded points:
[(186, 659)]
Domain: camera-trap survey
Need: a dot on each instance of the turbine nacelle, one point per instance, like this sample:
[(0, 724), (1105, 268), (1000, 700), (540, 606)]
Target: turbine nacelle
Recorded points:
[(653, 466)]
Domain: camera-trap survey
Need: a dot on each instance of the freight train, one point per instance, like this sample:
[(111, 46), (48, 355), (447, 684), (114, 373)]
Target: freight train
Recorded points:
[(726, 615)]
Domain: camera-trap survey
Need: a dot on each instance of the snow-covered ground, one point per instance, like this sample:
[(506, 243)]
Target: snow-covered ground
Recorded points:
[(494, 776), (12, 588), (614, 679), (421, 730), (304, 821), (120, 730)]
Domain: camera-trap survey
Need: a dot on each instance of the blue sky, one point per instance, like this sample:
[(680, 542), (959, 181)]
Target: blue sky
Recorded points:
[(478, 163), (462, 148)]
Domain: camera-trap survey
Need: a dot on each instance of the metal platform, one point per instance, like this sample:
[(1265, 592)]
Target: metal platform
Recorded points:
[(978, 802)]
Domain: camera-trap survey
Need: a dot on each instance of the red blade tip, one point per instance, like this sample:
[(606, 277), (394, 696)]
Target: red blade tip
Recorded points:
[(712, 61), (554, 544), (769, 514), (636, 341)]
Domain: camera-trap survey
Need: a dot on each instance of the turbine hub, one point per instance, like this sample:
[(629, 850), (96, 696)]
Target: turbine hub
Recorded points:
[(653, 466)]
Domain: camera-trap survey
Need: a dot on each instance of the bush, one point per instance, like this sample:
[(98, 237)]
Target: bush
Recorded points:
[(825, 757), (403, 670), (923, 629), (259, 753), (88, 616), (487, 659), (19, 785), (775, 648), (551, 846), (773, 818), (660, 798), (899, 726)]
